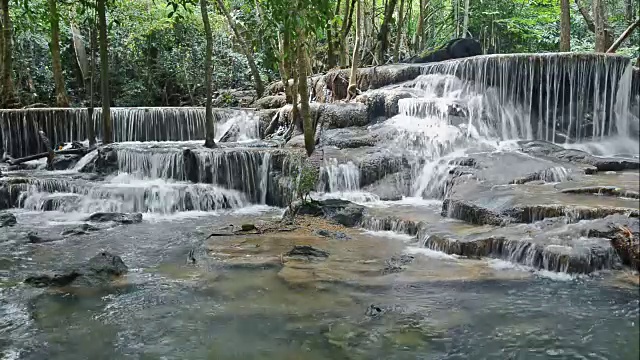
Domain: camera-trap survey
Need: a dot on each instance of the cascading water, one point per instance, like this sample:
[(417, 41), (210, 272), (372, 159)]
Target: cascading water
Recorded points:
[(485, 103), (342, 181), (19, 128)]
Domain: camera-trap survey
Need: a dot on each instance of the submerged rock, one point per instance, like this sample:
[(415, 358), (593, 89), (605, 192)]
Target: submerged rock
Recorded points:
[(79, 230), (34, 238), (336, 235), (7, 219), (121, 218), (396, 264), (307, 251), (99, 270)]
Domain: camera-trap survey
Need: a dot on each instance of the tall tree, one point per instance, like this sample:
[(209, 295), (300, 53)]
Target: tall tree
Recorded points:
[(107, 135), (208, 72), (7, 95), (308, 125), (61, 95), (565, 26), (396, 46), (465, 19), (383, 35), (248, 52), (602, 31), (353, 81)]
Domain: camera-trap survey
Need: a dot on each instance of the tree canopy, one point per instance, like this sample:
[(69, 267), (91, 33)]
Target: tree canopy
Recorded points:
[(156, 48)]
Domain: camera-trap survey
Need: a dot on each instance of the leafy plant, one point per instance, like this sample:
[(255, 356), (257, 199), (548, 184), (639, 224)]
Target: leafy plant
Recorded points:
[(305, 177)]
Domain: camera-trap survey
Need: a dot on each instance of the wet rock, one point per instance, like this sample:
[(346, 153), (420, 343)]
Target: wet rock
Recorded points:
[(34, 238), (603, 190), (105, 162), (340, 211), (397, 263), (248, 227), (98, 270), (271, 102), (624, 233), (336, 235), (121, 218), (471, 213), (80, 230), (7, 219), (585, 256), (374, 310), (307, 251), (348, 138), (58, 280), (331, 116), (383, 103), (376, 164), (65, 162), (545, 149), (392, 186), (333, 85), (533, 213)]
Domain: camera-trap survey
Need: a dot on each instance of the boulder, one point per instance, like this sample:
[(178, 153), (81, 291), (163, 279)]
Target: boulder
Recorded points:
[(342, 212), (65, 162), (333, 85), (104, 162), (121, 218), (271, 102), (79, 230), (454, 49), (97, 271), (7, 219), (34, 238), (341, 115), (383, 103), (336, 235)]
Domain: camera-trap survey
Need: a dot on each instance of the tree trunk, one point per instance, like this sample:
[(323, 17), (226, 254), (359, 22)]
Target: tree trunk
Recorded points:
[(465, 20), (332, 42), (598, 21), (8, 95), (396, 46), (344, 31), (61, 95), (353, 81), (248, 52), (597, 24), (383, 35), (565, 26), (624, 36), (91, 131), (208, 75), (303, 70), (107, 136), (628, 11)]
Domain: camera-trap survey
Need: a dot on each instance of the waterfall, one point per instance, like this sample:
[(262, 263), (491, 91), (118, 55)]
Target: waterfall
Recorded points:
[(19, 128), (339, 177), (486, 103), (553, 97), (127, 193), (242, 169)]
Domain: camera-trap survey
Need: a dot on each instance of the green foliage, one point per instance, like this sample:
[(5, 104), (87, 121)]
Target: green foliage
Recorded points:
[(305, 176)]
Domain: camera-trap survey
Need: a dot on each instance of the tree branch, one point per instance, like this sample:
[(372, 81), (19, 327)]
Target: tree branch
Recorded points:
[(624, 36), (587, 17)]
